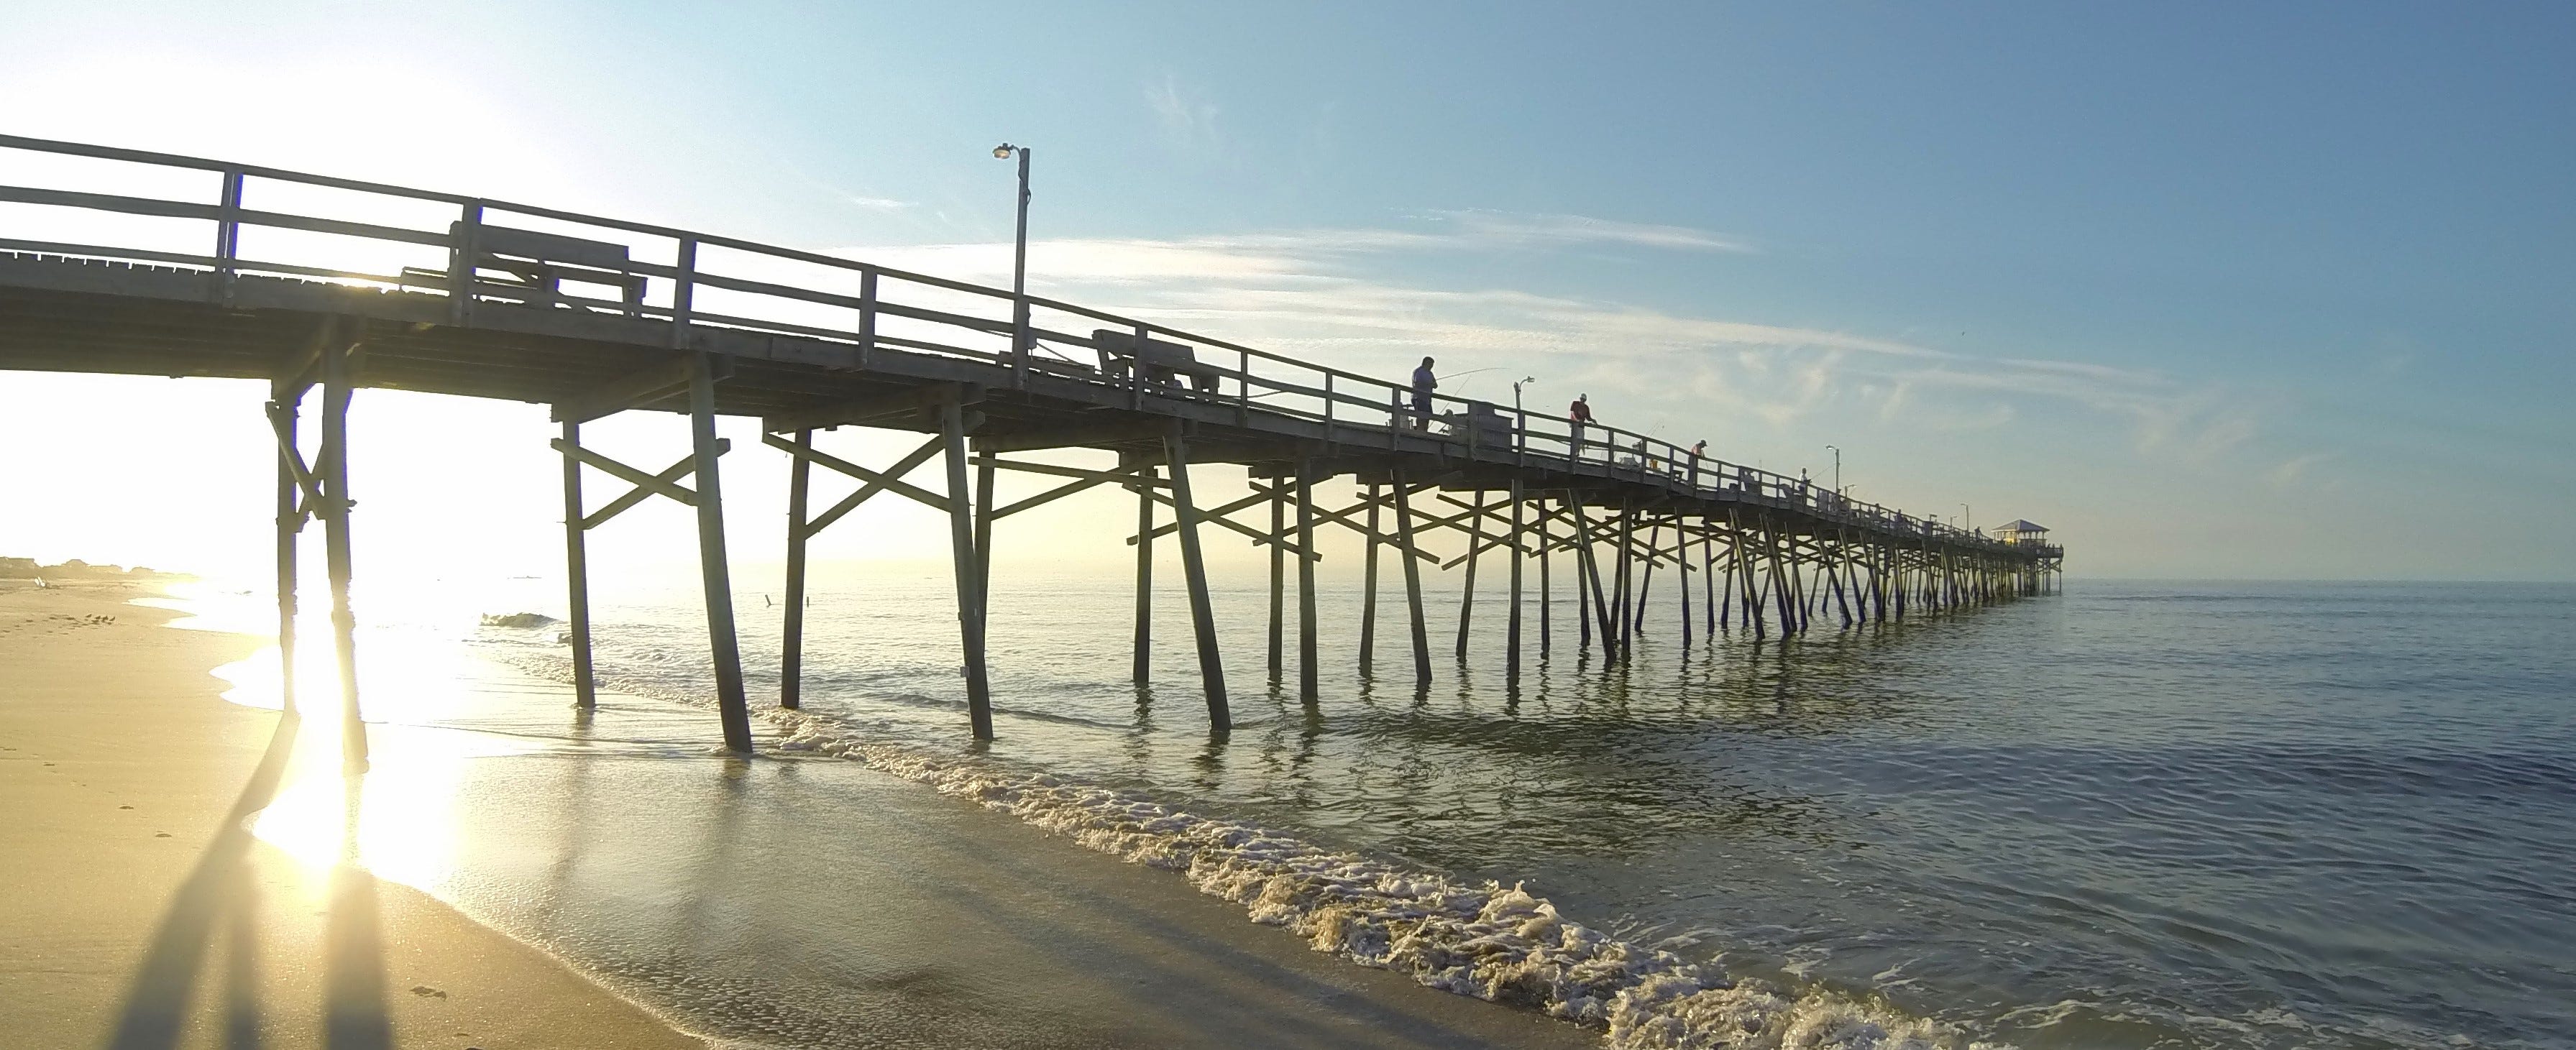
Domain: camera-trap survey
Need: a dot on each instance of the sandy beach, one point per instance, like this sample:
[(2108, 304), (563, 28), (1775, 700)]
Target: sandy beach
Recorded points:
[(137, 911), (697, 885)]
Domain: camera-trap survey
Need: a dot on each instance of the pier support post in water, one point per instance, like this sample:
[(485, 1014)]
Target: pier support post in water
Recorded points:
[(984, 515), (1582, 561), (1278, 577), (1467, 597), (1144, 670), (791, 638), (1194, 569), (681, 373), (1307, 689), (969, 565), (333, 473), (1626, 552), (1368, 587), (1512, 623), (1646, 578), (1749, 605), (1682, 571), (585, 687), (731, 706), (1708, 578), (1588, 566), (285, 397), (1412, 578), (1546, 586)]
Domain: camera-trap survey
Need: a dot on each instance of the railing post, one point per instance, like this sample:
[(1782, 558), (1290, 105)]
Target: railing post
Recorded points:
[(1328, 408), (1243, 388), (460, 266), (1020, 334), (1136, 372), (867, 314), (228, 236), (684, 290)]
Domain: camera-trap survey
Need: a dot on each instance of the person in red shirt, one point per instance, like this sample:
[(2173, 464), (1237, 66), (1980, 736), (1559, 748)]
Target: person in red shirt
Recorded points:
[(1578, 414)]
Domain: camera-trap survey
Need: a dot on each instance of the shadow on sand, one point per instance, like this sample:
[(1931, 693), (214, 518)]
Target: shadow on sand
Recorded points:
[(219, 903)]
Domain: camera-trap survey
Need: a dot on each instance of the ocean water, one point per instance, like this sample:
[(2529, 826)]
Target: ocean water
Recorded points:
[(2131, 815)]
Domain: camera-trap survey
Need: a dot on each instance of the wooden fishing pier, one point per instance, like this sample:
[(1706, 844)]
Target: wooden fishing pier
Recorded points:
[(310, 281)]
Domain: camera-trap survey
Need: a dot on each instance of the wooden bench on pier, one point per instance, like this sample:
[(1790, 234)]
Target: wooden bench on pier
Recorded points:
[(542, 262), (1156, 361)]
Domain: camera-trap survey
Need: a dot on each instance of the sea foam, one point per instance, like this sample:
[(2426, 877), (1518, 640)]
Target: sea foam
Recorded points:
[(1489, 941)]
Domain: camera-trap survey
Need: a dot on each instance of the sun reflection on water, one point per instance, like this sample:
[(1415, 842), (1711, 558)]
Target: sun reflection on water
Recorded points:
[(415, 687)]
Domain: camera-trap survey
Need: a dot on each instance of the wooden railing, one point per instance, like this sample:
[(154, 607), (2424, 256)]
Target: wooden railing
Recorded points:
[(481, 250)]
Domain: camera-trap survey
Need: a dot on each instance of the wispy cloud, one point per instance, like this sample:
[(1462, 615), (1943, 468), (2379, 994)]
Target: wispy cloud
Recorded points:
[(1546, 229), (1326, 294), (2290, 470), (1189, 122), (879, 203)]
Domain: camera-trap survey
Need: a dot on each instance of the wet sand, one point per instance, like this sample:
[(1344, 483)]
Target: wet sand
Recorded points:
[(779, 901), (136, 911)]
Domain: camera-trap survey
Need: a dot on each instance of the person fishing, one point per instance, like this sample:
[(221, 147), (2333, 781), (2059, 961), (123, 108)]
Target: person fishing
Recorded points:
[(1423, 384), (1577, 415)]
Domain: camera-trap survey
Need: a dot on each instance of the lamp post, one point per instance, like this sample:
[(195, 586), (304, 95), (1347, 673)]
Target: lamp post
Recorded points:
[(1521, 420), (1838, 468), (1968, 516), (1019, 263)]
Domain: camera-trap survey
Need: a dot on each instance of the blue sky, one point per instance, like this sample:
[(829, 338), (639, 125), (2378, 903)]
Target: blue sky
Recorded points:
[(2233, 290)]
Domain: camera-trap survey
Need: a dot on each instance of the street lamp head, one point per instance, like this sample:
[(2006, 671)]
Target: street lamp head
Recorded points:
[(1004, 151)]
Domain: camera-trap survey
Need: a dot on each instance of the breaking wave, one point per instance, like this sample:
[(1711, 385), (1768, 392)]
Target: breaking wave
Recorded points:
[(1489, 941)]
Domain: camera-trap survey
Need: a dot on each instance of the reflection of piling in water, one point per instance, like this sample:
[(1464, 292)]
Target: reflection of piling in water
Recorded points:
[(596, 323)]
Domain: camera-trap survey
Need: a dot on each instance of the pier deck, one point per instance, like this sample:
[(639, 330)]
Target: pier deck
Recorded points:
[(351, 287)]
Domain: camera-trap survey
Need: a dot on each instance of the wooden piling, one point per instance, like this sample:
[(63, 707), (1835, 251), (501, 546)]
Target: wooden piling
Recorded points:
[(1785, 588), (1709, 610), (1646, 576), (968, 564), (984, 507), (1368, 588), (1412, 578), (791, 633), (1681, 572), (1588, 564), (1644, 585), (1750, 604), (1307, 688), (1726, 593), (1512, 623), (585, 687), (286, 395), (1582, 594), (732, 708), (1278, 578), (1194, 571), (1619, 638), (334, 474), (1144, 641), (1546, 586), (1467, 598)]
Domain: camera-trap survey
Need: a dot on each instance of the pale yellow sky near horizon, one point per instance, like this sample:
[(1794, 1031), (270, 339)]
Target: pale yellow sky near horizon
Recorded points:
[(177, 473)]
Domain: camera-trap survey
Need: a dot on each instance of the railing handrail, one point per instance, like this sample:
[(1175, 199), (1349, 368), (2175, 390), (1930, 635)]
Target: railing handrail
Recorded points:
[(1648, 456)]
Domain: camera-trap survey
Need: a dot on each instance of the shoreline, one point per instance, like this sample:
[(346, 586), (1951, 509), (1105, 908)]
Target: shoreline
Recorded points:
[(962, 926), (140, 910)]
